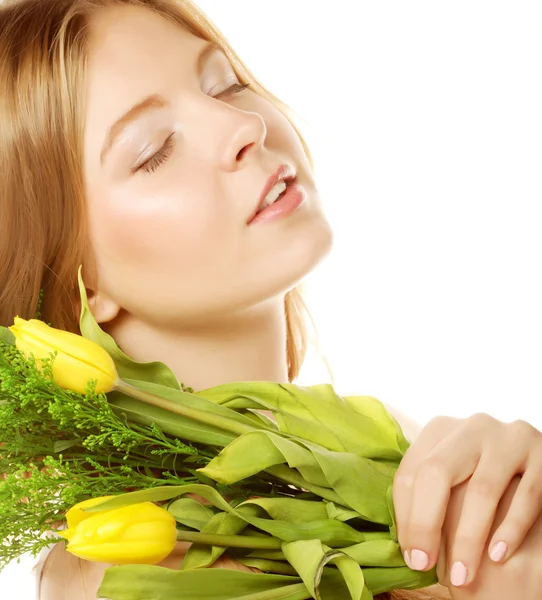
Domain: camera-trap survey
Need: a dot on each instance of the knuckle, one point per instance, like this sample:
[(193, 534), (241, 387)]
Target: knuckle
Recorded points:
[(481, 419), (522, 430), (440, 421), (403, 481)]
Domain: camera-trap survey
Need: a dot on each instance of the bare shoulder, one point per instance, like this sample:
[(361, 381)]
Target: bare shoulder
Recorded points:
[(66, 577)]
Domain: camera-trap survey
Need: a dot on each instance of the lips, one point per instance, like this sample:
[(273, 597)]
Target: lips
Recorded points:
[(284, 173)]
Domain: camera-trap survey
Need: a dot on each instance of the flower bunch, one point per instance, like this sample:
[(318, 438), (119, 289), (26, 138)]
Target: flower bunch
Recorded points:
[(122, 450)]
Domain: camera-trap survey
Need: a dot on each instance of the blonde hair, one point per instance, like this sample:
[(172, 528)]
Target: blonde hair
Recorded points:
[(42, 205)]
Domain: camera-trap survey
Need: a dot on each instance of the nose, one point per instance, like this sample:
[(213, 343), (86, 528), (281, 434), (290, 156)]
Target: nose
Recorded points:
[(242, 139)]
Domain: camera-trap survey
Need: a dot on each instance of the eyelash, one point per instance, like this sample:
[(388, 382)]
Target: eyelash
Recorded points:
[(164, 153)]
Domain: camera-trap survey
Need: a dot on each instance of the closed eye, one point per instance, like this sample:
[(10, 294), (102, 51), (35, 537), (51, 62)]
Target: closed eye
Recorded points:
[(160, 157)]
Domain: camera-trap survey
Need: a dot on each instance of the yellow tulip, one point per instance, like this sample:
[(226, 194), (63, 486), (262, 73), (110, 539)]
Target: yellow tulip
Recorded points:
[(141, 533), (78, 359), (76, 514)]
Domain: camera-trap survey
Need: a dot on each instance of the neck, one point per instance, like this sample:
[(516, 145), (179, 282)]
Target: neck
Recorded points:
[(247, 346)]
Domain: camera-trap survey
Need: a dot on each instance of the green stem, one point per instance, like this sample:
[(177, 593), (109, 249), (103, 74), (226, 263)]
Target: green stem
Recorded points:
[(230, 541), (195, 414)]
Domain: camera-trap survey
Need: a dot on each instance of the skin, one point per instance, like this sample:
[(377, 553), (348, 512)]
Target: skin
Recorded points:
[(486, 455), (180, 276), (518, 577)]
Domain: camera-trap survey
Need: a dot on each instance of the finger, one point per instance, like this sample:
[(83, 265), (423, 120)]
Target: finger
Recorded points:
[(403, 482), (524, 510), (484, 492), (442, 564), (451, 462)]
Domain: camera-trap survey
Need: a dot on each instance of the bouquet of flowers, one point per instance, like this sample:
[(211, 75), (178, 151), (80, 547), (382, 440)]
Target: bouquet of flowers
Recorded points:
[(130, 461)]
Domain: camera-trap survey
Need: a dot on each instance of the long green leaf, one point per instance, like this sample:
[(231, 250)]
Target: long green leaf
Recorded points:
[(376, 553), (193, 401), (278, 567), (191, 513), (309, 557), (168, 422), (126, 367), (374, 409), (254, 452), (361, 483), (291, 509), (384, 579), (147, 582), (360, 424), (200, 555)]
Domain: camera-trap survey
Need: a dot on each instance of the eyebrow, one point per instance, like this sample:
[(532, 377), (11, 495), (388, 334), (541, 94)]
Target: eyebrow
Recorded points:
[(152, 102)]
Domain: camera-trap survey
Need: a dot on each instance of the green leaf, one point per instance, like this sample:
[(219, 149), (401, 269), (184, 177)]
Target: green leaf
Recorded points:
[(6, 336), (340, 513), (126, 367), (269, 566), (255, 451), (369, 406), (361, 424), (201, 555), (384, 579), (376, 553), (309, 557), (148, 582), (360, 483), (62, 445), (190, 512), (168, 422), (193, 401), (291, 509)]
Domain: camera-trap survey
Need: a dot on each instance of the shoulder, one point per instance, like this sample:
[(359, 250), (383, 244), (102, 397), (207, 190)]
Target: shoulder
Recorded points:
[(22, 579), (410, 427)]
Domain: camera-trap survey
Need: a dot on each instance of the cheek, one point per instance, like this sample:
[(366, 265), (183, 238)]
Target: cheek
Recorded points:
[(154, 230)]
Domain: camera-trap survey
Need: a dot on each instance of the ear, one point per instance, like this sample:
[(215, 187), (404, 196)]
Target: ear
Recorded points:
[(102, 306)]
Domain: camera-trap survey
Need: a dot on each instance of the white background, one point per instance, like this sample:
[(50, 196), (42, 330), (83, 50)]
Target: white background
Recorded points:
[(425, 122)]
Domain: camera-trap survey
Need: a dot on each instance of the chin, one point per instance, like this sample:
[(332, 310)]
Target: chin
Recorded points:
[(296, 256)]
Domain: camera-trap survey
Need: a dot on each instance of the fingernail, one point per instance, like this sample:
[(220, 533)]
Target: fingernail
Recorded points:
[(419, 560), (458, 574), (498, 552), (407, 559)]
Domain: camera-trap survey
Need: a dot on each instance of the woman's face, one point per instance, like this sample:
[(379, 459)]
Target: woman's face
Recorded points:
[(170, 196)]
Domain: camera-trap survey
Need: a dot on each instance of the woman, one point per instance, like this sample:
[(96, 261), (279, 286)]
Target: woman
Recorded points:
[(131, 144)]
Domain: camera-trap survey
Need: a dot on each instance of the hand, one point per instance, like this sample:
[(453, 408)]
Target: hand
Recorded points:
[(518, 577), (448, 452)]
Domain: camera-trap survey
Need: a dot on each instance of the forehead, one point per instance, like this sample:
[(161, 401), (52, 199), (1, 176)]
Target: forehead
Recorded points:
[(127, 40), (132, 53)]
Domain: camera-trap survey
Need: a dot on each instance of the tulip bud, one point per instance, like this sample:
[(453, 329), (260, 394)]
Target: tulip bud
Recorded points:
[(76, 514), (141, 533), (78, 360)]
